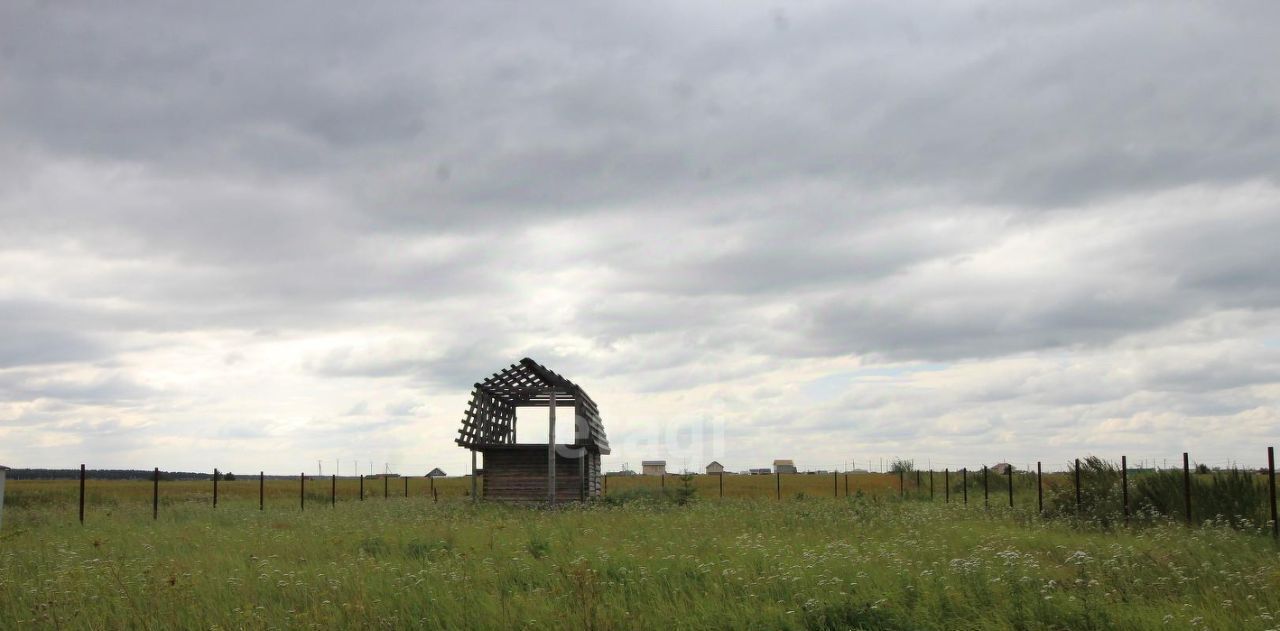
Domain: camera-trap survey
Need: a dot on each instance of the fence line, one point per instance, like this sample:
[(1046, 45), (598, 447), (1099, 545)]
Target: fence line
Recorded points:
[(1075, 470)]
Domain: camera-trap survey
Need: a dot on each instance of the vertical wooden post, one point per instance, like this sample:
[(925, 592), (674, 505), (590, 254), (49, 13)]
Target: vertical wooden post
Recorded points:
[(386, 486), (582, 473), (1009, 470), (964, 473), (474, 478), (986, 491), (663, 480), (215, 487), (155, 494), (1124, 486), (777, 475), (721, 485), (262, 491), (902, 484), (1271, 484), (835, 484), (930, 485), (1077, 477), (917, 480), (946, 485), (406, 486), (604, 478), (551, 449), (361, 487), (333, 490), (1186, 485), (1039, 488), (82, 494), (302, 491), (846, 485)]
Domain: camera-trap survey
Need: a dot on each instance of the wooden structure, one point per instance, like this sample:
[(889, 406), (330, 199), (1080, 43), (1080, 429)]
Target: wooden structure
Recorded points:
[(653, 467), (715, 468), (784, 466), (437, 473), (529, 472)]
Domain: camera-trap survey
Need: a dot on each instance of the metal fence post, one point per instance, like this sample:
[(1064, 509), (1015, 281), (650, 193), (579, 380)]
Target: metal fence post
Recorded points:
[(215, 487), (1009, 470), (262, 491), (986, 491), (1271, 484), (302, 491), (155, 494), (777, 476), (930, 485), (2, 477), (1124, 486), (1186, 485), (81, 494), (1077, 487), (361, 487), (1039, 489), (946, 485), (333, 490), (964, 473)]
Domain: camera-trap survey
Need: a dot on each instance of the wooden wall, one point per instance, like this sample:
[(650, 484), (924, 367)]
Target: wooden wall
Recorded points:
[(520, 474)]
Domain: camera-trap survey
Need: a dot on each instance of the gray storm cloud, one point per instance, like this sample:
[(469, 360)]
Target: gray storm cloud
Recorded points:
[(369, 209)]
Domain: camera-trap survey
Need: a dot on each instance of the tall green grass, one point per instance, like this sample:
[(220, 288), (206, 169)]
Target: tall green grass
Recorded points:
[(870, 562)]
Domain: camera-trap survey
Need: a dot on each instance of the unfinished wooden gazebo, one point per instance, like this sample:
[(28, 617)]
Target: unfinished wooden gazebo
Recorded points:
[(522, 471)]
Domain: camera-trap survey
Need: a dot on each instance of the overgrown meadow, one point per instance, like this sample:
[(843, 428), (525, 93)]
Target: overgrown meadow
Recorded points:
[(642, 560)]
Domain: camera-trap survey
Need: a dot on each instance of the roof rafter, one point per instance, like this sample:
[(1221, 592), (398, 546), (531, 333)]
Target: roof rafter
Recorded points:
[(490, 415)]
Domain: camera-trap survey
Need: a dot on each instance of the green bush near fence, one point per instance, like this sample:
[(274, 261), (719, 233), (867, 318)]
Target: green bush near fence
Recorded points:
[(1235, 497)]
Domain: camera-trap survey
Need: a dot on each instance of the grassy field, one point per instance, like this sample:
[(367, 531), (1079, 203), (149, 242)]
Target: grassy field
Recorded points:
[(869, 562)]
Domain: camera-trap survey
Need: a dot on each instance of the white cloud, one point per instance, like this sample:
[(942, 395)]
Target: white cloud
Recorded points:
[(827, 232)]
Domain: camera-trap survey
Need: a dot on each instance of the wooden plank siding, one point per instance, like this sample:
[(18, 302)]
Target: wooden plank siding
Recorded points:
[(519, 473)]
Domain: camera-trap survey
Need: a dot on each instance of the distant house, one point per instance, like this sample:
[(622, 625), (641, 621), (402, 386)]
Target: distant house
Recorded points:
[(784, 466), (715, 468), (1002, 468), (437, 473), (761, 471), (654, 467)]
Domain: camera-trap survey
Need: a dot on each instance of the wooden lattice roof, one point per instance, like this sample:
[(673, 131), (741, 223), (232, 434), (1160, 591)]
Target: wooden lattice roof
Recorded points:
[(491, 415)]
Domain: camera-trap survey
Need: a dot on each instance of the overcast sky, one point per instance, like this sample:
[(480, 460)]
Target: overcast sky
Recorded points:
[(254, 236)]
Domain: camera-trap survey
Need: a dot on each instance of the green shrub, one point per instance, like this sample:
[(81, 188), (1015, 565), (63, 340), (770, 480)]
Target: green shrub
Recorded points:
[(1101, 498), (1238, 497), (685, 493)]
